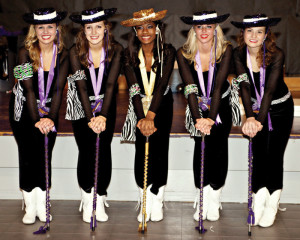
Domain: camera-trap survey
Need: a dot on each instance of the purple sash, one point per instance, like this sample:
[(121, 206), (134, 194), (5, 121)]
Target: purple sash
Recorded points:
[(97, 83), (205, 100), (262, 78), (43, 95)]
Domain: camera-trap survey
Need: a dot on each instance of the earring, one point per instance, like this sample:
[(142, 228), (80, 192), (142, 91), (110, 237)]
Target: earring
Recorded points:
[(194, 33), (105, 31), (135, 31)]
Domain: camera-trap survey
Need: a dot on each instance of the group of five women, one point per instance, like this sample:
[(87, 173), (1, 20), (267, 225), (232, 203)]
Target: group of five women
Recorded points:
[(204, 62)]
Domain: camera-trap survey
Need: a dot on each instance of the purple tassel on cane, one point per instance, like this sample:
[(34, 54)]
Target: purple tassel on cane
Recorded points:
[(93, 223), (200, 227), (251, 217), (46, 227)]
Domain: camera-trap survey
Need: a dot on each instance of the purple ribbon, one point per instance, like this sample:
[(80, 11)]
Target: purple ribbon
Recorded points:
[(206, 100), (97, 83), (262, 79), (43, 95)]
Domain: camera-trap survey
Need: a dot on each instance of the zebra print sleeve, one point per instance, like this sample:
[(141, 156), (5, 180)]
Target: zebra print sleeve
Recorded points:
[(234, 98), (74, 108)]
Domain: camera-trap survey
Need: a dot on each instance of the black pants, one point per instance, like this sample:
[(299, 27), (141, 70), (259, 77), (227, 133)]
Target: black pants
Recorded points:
[(269, 147), (216, 150), (158, 149), (86, 142), (31, 149)]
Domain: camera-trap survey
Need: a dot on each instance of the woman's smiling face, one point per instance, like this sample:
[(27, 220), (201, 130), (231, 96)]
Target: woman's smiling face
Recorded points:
[(146, 33), (45, 32), (254, 36), (205, 32)]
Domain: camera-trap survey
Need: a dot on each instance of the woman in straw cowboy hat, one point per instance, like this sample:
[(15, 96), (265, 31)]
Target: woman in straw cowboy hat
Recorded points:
[(95, 62), (149, 63), (34, 107), (269, 110), (204, 64)]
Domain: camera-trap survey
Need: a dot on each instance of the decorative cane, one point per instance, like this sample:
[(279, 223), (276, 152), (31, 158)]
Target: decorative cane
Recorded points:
[(251, 218), (46, 227), (93, 223), (200, 227), (143, 224)]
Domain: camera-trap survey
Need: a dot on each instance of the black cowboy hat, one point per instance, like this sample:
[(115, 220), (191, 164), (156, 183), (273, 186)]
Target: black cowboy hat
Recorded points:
[(93, 15), (205, 17), (44, 16), (258, 20)]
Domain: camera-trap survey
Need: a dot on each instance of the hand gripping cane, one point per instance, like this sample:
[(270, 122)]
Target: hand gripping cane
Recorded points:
[(93, 223), (43, 229), (200, 227), (143, 224), (251, 218)]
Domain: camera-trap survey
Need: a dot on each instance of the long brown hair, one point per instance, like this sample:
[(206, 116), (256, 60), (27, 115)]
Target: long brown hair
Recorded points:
[(82, 44), (32, 45), (270, 45)]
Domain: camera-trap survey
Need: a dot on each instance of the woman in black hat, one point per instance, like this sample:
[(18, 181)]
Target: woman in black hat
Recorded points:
[(42, 74), (269, 110), (204, 63), (149, 63), (95, 62)]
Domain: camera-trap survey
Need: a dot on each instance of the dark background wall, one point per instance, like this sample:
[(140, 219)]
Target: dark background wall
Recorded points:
[(287, 31)]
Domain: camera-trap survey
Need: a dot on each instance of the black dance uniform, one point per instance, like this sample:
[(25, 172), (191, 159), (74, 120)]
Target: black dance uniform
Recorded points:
[(268, 146), (85, 137), (29, 138), (162, 106), (216, 144)]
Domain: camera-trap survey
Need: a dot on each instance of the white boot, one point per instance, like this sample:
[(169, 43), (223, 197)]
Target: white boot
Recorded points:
[(100, 209), (157, 205), (86, 205), (259, 201), (41, 204), (270, 212), (30, 207), (148, 204), (214, 204), (206, 191)]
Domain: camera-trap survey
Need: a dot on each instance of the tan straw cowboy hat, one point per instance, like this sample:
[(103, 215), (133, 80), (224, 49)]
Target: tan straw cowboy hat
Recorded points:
[(142, 16)]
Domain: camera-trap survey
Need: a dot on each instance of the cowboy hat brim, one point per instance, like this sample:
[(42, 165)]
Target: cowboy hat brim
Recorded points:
[(29, 18), (218, 19), (139, 21), (262, 23), (77, 18)]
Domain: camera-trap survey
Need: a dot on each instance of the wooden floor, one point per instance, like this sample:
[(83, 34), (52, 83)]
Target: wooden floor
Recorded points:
[(178, 223), (122, 105)]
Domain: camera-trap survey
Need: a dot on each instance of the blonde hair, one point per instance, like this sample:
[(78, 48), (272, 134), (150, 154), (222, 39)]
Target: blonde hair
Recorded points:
[(32, 45), (190, 47)]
